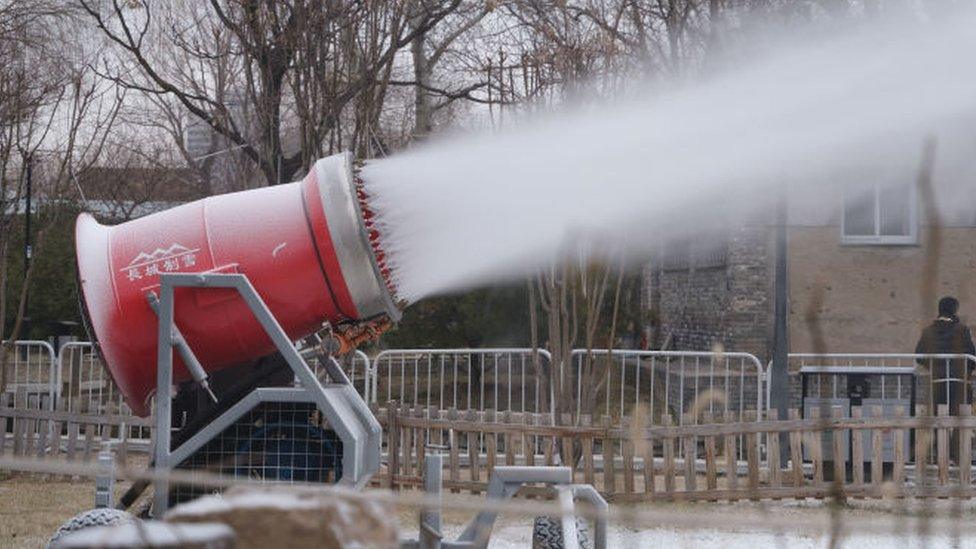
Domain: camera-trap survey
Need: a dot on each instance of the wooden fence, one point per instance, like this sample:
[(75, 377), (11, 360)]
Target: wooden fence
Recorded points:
[(898, 456), (697, 462), (46, 434)]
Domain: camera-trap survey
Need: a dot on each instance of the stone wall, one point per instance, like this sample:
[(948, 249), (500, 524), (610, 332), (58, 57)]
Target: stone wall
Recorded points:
[(717, 299)]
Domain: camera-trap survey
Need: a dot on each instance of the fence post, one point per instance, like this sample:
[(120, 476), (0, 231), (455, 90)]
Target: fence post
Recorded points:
[(772, 451), (923, 444), (20, 424), (474, 450), (627, 445), (668, 442), (857, 449), (609, 476), (648, 452), (491, 445), (898, 441), (392, 447), (52, 378), (840, 472), (877, 450), (942, 448), (752, 457), (589, 475), (566, 444), (731, 463), (815, 442), (509, 439), (691, 455), (455, 460), (965, 449), (711, 468), (796, 451)]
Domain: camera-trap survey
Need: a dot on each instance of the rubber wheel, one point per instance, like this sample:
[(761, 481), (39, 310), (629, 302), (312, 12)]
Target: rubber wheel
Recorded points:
[(547, 533), (88, 519)]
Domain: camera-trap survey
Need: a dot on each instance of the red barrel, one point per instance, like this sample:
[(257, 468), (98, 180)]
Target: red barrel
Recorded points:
[(303, 246)]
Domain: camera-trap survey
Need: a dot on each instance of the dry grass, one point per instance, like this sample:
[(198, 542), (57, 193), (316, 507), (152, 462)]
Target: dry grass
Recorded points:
[(33, 507)]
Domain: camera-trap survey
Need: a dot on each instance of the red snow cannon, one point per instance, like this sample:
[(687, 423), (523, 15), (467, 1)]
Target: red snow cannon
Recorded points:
[(306, 247)]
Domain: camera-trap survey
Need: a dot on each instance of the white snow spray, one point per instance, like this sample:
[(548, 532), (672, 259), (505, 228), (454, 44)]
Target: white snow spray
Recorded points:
[(478, 209)]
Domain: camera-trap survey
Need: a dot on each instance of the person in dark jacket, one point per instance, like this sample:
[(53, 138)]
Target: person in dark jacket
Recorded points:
[(950, 377)]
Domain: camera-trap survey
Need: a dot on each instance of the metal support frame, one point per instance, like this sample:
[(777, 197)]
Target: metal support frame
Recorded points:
[(504, 483), (343, 408), (105, 479), (430, 519), (589, 494)]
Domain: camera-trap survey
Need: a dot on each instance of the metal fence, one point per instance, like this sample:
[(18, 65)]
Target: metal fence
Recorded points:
[(75, 380), (683, 384), (30, 374), (502, 379), (84, 385), (356, 365)]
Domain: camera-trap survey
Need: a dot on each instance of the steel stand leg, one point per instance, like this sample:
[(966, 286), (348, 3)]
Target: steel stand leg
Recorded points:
[(430, 519)]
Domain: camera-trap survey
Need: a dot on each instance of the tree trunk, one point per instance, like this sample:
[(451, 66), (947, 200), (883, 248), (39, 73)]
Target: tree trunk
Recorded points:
[(423, 107)]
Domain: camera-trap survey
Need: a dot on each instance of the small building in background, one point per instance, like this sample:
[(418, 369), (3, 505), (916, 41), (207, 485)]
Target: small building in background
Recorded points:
[(117, 194)]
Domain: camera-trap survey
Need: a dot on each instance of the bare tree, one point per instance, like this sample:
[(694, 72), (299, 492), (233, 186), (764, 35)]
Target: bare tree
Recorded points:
[(54, 119), (281, 81), (135, 178), (427, 50)]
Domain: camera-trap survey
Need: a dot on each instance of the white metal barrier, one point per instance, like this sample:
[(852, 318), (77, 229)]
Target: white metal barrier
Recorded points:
[(30, 374), (935, 367), (356, 365), (684, 384), (672, 382), (84, 384), (467, 379)]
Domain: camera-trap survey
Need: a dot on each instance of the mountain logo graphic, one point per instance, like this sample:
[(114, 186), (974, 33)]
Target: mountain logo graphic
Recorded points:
[(159, 254)]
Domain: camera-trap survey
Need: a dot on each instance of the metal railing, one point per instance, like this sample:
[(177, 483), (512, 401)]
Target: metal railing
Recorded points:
[(677, 383), (682, 384), (84, 384), (30, 374), (502, 379), (356, 366), (75, 380)]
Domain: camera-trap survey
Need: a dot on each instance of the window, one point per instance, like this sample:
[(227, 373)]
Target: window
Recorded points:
[(703, 251), (882, 214)]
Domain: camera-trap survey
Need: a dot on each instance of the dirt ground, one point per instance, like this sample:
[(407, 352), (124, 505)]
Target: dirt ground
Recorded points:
[(32, 508)]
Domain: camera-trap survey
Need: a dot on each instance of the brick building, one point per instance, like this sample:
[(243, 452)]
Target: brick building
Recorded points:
[(714, 293), (865, 266)]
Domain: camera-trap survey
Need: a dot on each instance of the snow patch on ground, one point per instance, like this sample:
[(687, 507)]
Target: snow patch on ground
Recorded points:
[(218, 503), (511, 537), (519, 536)]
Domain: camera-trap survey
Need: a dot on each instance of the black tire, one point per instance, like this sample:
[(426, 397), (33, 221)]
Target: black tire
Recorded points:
[(547, 533), (88, 519)]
